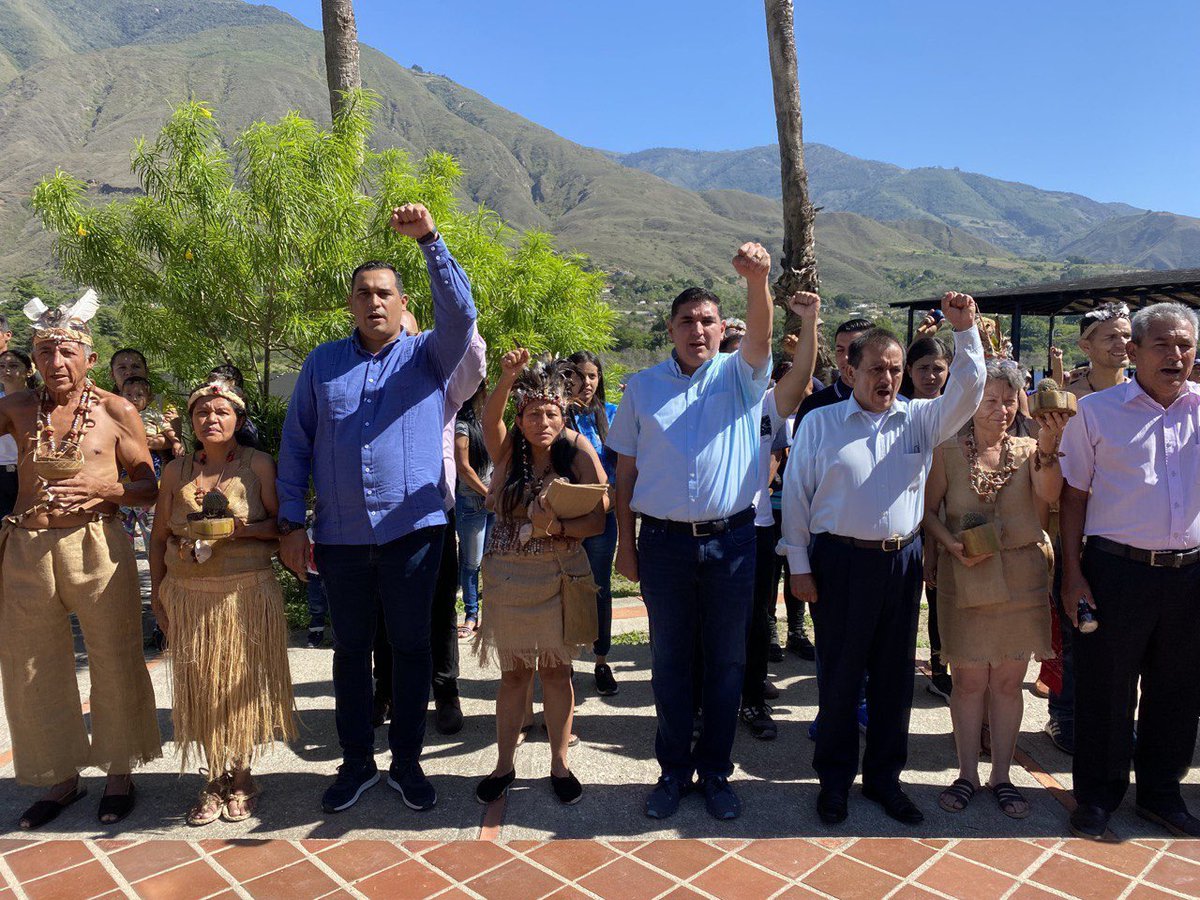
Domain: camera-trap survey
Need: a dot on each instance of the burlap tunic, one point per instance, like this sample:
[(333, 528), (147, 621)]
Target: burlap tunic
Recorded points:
[(227, 633), (997, 610)]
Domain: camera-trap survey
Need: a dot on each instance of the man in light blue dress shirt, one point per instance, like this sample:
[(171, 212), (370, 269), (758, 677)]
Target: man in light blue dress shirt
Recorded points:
[(687, 435), (366, 420), (853, 499)]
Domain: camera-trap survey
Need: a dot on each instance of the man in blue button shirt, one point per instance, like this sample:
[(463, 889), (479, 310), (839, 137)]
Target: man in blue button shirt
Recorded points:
[(365, 421), (687, 435)]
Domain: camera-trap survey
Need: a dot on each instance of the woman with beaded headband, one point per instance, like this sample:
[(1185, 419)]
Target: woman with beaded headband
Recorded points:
[(522, 626), (993, 608), (221, 606)]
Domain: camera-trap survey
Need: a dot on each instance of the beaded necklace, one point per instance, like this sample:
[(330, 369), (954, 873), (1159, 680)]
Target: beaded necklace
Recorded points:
[(81, 421), (984, 482), (201, 460)]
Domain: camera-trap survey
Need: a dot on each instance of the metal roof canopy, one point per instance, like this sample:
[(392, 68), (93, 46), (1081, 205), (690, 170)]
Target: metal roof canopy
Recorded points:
[(1058, 298)]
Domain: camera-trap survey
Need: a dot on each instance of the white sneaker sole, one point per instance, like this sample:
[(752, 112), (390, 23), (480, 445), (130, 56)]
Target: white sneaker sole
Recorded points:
[(362, 788), (395, 786)]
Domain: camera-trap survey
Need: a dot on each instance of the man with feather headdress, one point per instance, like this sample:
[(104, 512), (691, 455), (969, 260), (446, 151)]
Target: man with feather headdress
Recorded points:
[(64, 551)]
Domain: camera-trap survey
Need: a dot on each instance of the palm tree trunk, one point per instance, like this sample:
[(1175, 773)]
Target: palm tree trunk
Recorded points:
[(341, 49), (799, 244)]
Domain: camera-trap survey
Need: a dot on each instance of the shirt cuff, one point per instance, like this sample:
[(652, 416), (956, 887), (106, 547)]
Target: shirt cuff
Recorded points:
[(293, 512), (797, 558), (433, 246)]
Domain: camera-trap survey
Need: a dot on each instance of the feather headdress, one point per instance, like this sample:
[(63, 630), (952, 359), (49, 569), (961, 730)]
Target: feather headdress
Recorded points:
[(65, 324)]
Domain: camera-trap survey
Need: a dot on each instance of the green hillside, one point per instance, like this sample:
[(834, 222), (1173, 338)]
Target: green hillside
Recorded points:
[(1022, 219), (89, 79)]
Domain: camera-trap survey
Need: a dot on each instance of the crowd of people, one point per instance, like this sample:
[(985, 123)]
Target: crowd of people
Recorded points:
[(918, 471)]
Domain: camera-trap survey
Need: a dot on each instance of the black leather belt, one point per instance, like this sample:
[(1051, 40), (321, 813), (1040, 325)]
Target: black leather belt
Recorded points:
[(890, 545), (705, 529), (9, 468), (1159, 559)]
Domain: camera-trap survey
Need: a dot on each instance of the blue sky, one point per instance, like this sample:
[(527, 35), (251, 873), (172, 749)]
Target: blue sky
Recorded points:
[(1096, 97)]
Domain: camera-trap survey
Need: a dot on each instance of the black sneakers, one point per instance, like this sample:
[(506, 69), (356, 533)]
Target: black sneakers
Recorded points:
[(758, 720), (606, 685), (415, 789), (351, 782)]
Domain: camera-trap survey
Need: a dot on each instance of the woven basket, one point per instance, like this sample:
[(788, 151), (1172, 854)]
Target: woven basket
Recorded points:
[(210, 529), (57, 469)]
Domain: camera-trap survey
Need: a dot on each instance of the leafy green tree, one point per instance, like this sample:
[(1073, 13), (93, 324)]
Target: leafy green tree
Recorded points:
[(243, 253)]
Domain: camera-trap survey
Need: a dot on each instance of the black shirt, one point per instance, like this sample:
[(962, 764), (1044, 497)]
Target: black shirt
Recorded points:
[(835, 393)]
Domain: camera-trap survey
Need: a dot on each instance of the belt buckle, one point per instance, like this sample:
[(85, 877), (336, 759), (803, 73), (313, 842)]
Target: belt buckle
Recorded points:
[(892, 544), (697, 529), (1174, 559)]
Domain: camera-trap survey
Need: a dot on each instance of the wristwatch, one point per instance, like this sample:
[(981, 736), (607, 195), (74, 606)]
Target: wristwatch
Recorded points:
[(429, 238), (286, 526)]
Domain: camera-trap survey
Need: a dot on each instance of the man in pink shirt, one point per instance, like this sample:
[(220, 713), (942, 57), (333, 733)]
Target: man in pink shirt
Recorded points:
[(1131, 462)]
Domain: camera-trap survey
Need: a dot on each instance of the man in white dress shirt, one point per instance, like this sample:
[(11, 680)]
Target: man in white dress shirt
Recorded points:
[(853, 498)]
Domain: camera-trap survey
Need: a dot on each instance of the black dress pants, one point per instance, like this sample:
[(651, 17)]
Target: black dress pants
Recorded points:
[(865, 618), (1149, 633), (443, 631), (767, 566)]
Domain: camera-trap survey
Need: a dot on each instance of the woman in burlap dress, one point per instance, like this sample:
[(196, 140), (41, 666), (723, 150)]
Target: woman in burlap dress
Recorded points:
[(993, 609), (220, 604), (531, 555)]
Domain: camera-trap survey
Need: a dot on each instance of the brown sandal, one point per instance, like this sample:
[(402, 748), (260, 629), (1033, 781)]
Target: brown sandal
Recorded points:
[(247, 800)]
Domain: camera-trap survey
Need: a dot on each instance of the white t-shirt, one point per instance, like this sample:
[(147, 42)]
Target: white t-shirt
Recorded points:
[(8, 446), (771, 426)]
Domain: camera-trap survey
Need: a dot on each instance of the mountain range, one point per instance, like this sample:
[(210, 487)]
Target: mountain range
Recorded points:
[(80, 82)]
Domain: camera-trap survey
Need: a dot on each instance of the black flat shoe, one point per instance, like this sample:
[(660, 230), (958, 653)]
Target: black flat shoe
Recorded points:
[(1180, 824), (1089, 822), (494, 787), (567, 789), (118, 806), (46, 811), (896, 804), (832, 806), (447, 716)]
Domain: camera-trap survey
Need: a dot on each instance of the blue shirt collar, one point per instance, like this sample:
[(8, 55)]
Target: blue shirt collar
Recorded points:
[(678, 372), (356, 343)]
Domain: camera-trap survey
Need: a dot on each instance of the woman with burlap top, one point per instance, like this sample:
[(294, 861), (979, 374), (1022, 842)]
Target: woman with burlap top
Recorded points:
[(537, 575), (220, 603), (993, 608)]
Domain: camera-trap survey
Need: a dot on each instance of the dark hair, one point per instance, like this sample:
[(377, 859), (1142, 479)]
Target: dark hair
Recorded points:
[(781, 368), (599, 407), (228, 372), (731, 342), (852, 325), (477, 454), (112, 360), (694, 295), (373, 265), (919, 349), (4, 324), (137, 379), (30, 377), (538, 377), (877, 338)]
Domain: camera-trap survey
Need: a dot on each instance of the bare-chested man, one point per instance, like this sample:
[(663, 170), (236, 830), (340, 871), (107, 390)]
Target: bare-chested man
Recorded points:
[(65, 552)]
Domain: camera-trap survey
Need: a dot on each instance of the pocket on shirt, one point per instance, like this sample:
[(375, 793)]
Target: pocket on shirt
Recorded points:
[(333, 399)]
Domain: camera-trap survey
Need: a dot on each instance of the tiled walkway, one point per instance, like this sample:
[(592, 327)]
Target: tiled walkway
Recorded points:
[(629, 870)]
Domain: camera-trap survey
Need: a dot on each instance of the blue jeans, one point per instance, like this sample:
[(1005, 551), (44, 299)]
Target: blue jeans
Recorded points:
[(473, 523), (318, 603), (696, 588), (600, 550), (360, 579)]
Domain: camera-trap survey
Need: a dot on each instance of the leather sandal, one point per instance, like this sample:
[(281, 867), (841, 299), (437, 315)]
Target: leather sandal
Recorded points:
[(118, 806), (45, 811), (210, 804), (958, 796), (1007, 797)]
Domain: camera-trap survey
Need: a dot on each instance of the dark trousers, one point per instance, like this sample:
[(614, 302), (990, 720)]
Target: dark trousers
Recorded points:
[(936, 666), (600, 550), (767, 567), (1149, 632), (696, 588), (359, 579), (1062, 704), (865, 617), (443, 629), (792, 604)]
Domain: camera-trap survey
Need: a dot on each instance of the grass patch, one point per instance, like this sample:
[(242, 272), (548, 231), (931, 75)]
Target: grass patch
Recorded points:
[(631, 638), (623, 587)]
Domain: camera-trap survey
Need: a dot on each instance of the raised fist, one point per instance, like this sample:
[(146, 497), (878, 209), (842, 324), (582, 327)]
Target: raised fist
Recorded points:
[(789, 343), (1056, 353), (959, 310), (806, 305), (752, 262), (514, 361), (412, 220)]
